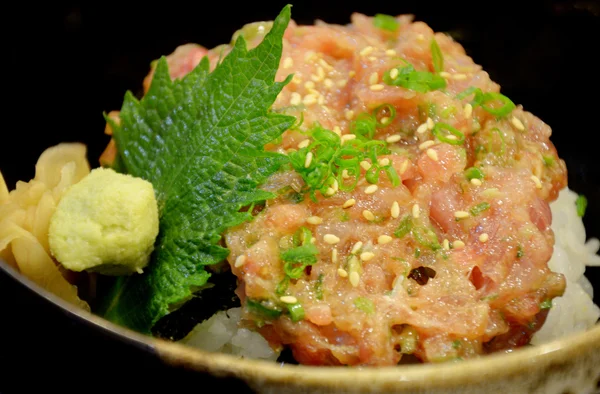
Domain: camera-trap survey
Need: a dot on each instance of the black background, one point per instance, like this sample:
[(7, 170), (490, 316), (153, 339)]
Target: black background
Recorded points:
[(67, 63)]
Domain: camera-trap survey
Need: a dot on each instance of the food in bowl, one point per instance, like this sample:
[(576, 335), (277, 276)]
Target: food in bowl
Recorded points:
[(376, 196)]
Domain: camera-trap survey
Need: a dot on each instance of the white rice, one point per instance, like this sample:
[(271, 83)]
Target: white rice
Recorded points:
[(574, 311)]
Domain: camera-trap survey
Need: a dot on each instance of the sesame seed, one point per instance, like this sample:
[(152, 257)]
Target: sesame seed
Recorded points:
[(345, 174), (384, 120), (373, 78), (314, 220), (334, 255), (308, 160), (461, 214), (288, 299), (351, 73), (321, 100), (458, 244), (309, 55), (324, 63), (349, 114), (328, 83), (394, 73), (446, 244), (452, 137), (445, 74), (356, 247), (365, 165), (517, 123), (241, 259), (335, 185), (321, 73), (371, 189), (331, 239), (476, 182), (348, 137), (393, 138), (430, 124), (341, 83), (426, 144), (330, 191), (368, 215), (384, 162), (468, 110), (404, 167), (313, 240), (297, 79), (459, 77), (372, 58), (337, 130), (288, 62), (295, 99), (366, 256), (304, 144), (422, 128), (309, 85), (395, 211), (309, 99), (484, 237), (354, 278), (377, 87), (432, 154), (349, 203), (384, 239), (415, 211), (390, 52), (536, 180), (420, 37), (366, 51), (342, 273)]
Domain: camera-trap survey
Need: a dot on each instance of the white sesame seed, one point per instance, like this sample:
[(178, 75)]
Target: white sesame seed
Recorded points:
[(330, 191), (468, 110), (404, 167), (365, 165), (394, 73), (393, 138), (304, 144), (321, 73), (446, 244), (476, 182), (331, 239), (324, 63), (458, 244), (334, 255), (308, 159), (342, 273), (351, 73), (309, 55), (517, 123), (368, 215), (371, 189), (430, 124), (356, 247), (335, 185), (328, 83), (314, 220), (348, 137), (377, 87), (452, 137), (341, 83), (288, 62), (288, 299), (422, 128), (313, 240), (297, 79), (384, 239), (366, 256), (309, 99), (373, 78), (295, 98), (484, 237), (384, 162), (354, 278), (349, 114), (461, 214), (415, 211), (427, 144), (459, 77), (309, 85), (349, 203), (321, 100), (345, 174), (536, 180), (241, 259), (432, 154), (372, 58), (395, 211), (420, 37), (366, 51), (384, 120), (390, 52), (445, 74), (337, 130)]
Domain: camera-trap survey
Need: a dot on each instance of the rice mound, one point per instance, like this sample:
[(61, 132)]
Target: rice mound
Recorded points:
[(574, 311)]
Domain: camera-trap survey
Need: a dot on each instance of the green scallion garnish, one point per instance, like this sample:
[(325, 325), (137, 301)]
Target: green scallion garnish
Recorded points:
[(437, 57), (581, 204), (479, 208), (386, 22), (440, 135)]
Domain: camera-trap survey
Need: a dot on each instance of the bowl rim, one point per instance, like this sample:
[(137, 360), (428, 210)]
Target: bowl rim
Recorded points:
[(498, 366)]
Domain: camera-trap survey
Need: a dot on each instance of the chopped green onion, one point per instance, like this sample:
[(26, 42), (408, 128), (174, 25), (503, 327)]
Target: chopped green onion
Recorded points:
[(297, 125), (456, 344), (469, 91), (477, 209), (507, 105), (546, 304), (319, 287), (282, 286), (404, 227), (364, 126), (385, 22), (426, 237), (296, 312), (520, 252), (581, 204), (298, 258), (302, 236), (259, 307), (417, 252), (437, 132), (392, 175), (474, 173), (437, 57), (502, 143), (364, 304), (386, 111), (419, 81), (548, 161)]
